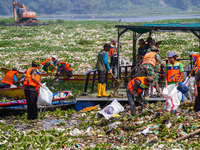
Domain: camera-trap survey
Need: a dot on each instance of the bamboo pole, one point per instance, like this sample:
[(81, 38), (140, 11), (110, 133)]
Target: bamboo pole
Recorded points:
[(188, 135)]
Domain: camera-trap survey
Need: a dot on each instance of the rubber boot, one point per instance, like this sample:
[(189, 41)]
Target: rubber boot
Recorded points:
[(158, 89), (133, 112), (104, 90), (99, 90)]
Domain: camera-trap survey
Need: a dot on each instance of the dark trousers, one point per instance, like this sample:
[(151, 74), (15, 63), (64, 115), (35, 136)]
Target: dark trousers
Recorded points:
[(114, 61), (101, 77), (31, 99), (197, 102)]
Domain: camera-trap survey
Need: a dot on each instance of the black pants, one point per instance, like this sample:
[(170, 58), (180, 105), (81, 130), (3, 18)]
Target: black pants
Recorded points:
[(101, 77), (31, 99), (197, 102), (114, 61)]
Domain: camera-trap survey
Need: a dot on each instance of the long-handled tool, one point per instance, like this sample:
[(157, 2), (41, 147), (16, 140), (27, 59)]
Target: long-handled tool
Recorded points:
[(116, 83), (146, 107)]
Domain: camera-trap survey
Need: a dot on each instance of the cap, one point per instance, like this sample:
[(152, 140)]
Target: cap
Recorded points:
[(150, 80), (14, 69), (171, 54), (149, 39), (190, 54), (37, 63), (113, 40), (141, 41), (54, 56), (107, 45)]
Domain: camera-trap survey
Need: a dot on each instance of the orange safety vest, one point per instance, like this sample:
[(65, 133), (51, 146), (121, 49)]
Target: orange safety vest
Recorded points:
[(173, 72), (112, 50), (142, 85), (28, 80), (8, 78), (198, 64), (149, 58), (196, 56), (66, 65)]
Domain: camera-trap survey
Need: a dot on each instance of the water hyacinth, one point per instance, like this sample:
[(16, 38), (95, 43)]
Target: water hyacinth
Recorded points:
[(78, 43)]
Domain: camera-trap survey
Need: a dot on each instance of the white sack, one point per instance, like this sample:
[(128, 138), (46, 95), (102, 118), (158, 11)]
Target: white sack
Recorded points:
[(189, 82), (45, 96), (13, 86), (173, 99), (167, 90), (113, 108)]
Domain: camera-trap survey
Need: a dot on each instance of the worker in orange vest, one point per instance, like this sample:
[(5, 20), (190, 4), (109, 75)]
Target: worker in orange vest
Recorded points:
[(64, 68), (149, 66), (31, 86), (197, 92), (135, 89), (193, 56), (113, 54), (196, 60), (50, 64), (173, 70), (10, 78)]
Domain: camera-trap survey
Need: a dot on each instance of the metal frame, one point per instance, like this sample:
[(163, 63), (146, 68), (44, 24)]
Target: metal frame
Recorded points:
[(151, 29)]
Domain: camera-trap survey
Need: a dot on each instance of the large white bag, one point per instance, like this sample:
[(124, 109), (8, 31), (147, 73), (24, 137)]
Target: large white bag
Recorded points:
[(167, 90), (45, 96), (173, 98), (189, 82), (113, 108)]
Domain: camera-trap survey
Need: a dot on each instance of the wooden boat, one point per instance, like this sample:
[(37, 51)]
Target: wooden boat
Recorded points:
[(23, 102), (16, 93), (75, 76), (18, 107)]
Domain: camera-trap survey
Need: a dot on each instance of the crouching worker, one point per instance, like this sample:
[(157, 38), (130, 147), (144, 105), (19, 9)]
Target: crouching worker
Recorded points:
[(64, 68), (197, 91), (50, 64), (135, 88), (102, 67), (31, 85), (10, 78)]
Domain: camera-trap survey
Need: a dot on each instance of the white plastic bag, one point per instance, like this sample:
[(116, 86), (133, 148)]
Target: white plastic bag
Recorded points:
[(167, 90), (45, 96), (113, 108), (13, 86), (189, 82), (173, 99)]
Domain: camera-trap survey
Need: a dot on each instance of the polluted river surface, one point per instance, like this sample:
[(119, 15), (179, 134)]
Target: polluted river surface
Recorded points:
[(157, 129)]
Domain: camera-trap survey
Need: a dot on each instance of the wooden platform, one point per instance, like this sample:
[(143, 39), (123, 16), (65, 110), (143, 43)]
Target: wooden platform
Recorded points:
[(93, 97)]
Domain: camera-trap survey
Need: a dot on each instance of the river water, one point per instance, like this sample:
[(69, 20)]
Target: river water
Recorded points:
[(146, 18)]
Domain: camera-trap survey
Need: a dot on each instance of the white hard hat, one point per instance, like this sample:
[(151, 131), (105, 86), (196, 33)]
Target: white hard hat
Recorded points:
[(54, 56)]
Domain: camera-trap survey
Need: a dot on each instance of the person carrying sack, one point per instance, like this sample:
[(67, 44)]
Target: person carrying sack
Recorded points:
[(31, 86), (135, 89), (102, 67)]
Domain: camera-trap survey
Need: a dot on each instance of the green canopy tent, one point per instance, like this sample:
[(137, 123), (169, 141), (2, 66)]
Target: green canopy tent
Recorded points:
[(170, 27)]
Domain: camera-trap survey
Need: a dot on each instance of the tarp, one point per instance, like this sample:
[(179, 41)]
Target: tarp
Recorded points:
[(168, 26)]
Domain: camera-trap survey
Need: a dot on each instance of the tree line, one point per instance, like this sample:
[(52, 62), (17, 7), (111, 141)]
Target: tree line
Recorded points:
[(102, 6)]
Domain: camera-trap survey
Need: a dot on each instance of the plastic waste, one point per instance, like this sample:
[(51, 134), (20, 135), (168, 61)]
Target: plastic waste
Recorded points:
[(113, 108)]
